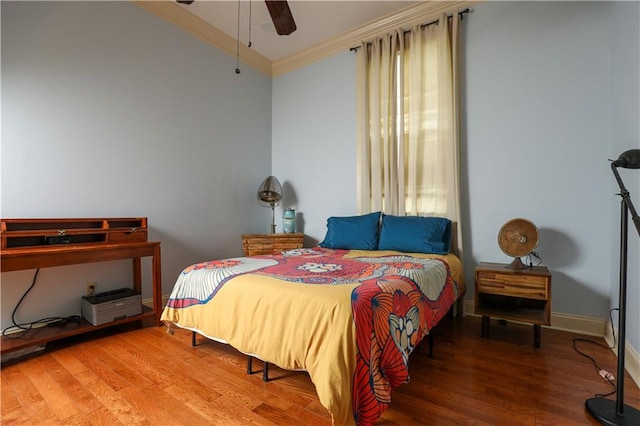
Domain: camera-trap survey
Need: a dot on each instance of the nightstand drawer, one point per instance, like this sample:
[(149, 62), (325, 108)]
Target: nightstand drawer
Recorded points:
[(529, 286), (258, 244), (514, 290)]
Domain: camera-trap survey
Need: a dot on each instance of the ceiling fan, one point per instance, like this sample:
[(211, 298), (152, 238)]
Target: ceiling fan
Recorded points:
[(280, 15)]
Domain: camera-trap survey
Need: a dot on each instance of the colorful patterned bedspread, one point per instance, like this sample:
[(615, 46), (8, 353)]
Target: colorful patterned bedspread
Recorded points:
[(348, 318)]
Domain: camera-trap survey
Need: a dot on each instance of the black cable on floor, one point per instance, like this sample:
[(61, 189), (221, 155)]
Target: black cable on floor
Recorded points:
[(608, 377)]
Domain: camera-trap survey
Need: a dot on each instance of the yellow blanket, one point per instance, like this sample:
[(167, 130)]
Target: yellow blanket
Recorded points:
[(295, 310)]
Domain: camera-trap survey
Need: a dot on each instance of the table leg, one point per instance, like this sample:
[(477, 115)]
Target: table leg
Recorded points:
[(536, 335), (485, 326)]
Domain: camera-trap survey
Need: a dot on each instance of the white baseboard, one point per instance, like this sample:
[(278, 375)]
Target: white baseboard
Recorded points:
[(588, 326), (631, 357)]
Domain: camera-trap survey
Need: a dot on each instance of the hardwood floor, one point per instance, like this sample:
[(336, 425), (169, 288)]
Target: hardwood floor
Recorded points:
[(145, 376)]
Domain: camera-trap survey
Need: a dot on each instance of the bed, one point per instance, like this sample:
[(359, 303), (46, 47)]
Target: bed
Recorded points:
[(350, 317)]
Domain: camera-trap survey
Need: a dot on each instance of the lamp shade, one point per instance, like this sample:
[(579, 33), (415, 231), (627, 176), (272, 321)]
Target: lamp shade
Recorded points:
[(629, 159), (270, 192)]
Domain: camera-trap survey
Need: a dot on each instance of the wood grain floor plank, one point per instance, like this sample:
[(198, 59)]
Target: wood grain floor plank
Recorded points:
[(225, 362), (137, 360), (8, 400), (124, 371), (275, 416), (199, 403), (53, 389), (272, 392), (72, 388), (146, 376), (102, 416), (119, 407), (72, 364), (159, 407), (98, 363), (31, 401), (37, 413), (167, 369), (217, 388), (306, 416), (262, 414)]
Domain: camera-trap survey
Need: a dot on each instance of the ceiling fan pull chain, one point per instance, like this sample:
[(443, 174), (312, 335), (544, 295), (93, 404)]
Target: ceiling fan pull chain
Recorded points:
[(249, 45), (238, 42)]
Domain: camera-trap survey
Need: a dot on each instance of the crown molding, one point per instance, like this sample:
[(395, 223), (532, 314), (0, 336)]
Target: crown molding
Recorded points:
[(413, 15), (182, 18)]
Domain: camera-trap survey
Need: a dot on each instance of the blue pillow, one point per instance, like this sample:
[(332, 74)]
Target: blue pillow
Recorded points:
[(352, 232), (415, 234)]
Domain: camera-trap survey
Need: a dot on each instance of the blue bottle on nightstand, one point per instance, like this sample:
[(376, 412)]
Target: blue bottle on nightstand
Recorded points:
[(289, 221)]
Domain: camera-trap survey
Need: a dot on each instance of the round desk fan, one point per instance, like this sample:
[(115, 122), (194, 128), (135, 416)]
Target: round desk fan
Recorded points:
[(518, 238)]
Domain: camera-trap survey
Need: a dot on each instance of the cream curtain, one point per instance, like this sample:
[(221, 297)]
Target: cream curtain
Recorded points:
[(408, 123)]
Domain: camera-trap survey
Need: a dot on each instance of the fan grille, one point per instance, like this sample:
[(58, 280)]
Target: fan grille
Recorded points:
[(518, 237)]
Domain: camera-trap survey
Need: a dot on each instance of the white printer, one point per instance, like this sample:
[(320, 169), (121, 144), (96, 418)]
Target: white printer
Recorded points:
[(109, 306)]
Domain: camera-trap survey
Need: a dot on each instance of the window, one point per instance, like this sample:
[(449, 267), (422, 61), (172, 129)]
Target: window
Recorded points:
[(407, 133)]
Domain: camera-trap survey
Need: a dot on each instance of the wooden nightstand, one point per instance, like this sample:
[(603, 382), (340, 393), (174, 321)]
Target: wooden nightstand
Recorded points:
[(520, 295), (255, 244)]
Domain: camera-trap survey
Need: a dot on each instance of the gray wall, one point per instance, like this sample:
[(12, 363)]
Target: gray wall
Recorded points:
[(314, 150), (537, 138), (625, 134), (550, 93), (109, 111)]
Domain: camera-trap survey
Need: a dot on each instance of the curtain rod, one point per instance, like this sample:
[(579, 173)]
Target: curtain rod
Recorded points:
[(461, 14)]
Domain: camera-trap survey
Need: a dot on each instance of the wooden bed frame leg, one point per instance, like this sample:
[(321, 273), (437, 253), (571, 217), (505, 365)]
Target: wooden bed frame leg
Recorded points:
[(193, 339), (249, 365)]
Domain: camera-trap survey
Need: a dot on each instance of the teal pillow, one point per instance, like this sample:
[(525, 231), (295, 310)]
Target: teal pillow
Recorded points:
[(415, 234), (352, 232)]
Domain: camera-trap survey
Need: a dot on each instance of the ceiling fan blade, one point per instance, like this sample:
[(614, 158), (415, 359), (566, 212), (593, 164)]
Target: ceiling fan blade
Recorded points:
[(185, 1), (281, 16)]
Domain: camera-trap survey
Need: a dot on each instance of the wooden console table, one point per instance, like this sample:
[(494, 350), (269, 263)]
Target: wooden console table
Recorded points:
[(24, 247)]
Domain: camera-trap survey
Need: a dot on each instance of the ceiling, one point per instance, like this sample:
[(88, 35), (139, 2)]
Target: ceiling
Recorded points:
[(317, 21)]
